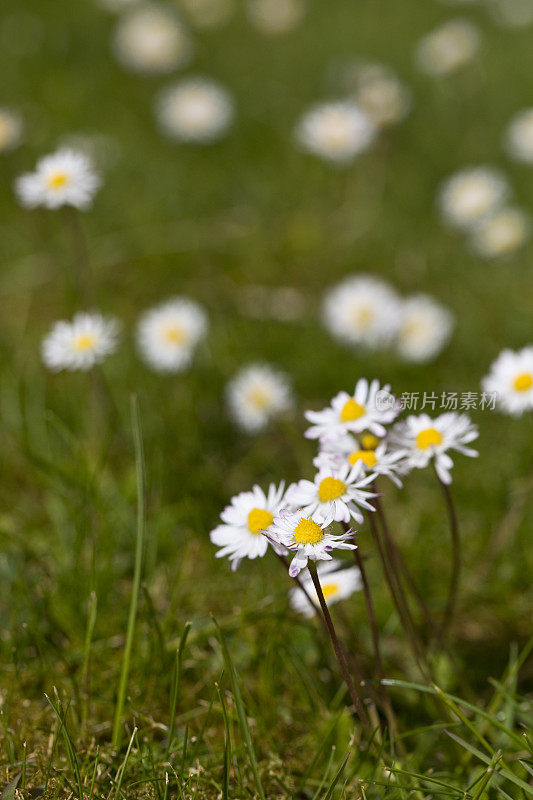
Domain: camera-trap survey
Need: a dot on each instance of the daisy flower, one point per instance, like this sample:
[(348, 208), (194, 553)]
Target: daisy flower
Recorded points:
[(168, 334), (64, 178), (337, 584), (370, 408), (151, 39), (80, 344), (448, 47), (258, 394), (519, 136), (361, 310), (336, 493), (335, 131), (274, 17), (424, 330), (374, 455), (245, 520), (10, 129), (425, 439), (471, 194), (381, 95), (308, 536), (195, 110), (511, 379), (501, 234)]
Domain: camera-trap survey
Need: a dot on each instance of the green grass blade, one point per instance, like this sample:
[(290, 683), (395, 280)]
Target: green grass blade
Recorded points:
[(176, 684)]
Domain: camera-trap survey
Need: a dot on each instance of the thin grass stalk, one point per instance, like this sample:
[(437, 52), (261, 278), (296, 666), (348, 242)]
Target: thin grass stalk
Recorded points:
[(139, 549), (451, 603)]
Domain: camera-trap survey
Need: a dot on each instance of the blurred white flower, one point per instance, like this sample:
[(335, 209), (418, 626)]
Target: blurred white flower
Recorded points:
[(337, 492), (336, 131), (245, 520), (195, 110), (168, 334), (308, 536), (374, 455), (361, 310), (208, 13), (370, 408), (471, 194), (258, 394), (511, 379), (337, 584), (381, 95), (151, 39), (424, 440), (10, 129), (502, 233), (64, 178), (519, 136), (274, 17), (511, 13), (448, 47), (80, 344), (425, 328)]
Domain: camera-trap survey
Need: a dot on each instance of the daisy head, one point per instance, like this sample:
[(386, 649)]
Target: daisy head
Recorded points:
[(337, 584), (10, 129), (425, 439), (308, 536), (195, 110), (369, 408), (381, 95), (470, 195), (258, 394), (336, 131), (361, 310), (511, 380), (64, 178), (424, 330), (372, 454), (244, 523), (80, 344), (336, 493), (519, 136), (151, 39), (168, 334), (275, 17), (448, 47), (501, 234)]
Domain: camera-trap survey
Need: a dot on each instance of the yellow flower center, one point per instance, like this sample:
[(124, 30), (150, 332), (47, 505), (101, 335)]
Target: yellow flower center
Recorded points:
[(369, 441), (173, 334), (85, 341), (364, 316), (330, 489), (260, 397), (308, 532), (428, 437), (351, 410), (523, 382), (57, 180), (329, 589), (368, 457), (259, 519)]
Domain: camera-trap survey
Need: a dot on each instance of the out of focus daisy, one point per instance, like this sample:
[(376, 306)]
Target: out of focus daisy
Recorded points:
[(361, 310), (208, 13), (336, 491), (424, 330), (64, 178), (511, 13), (10, 129), (374, 455), (511, 379), (151, 39), (168, 334), (519, 136), (258, 394), (337, 584), (448, 47), (468, 196), (370, 408), (337, 131), (80, 344), (381, 95), (308, 536), (275, 17), (195, 110), (501, 234), (424, 440), (245, 520)]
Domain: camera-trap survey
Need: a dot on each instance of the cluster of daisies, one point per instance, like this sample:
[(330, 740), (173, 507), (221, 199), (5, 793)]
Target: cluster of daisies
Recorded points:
[(363, 311), (360, 440)]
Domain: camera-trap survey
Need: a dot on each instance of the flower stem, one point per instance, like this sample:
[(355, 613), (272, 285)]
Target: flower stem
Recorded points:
[(339, 651), (451, 603)]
